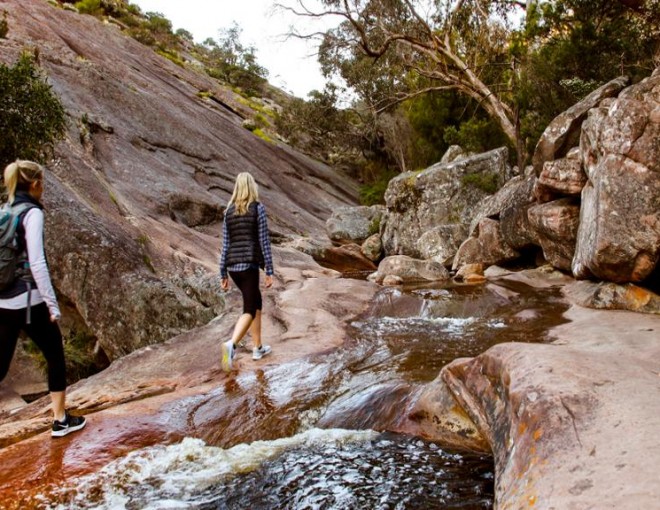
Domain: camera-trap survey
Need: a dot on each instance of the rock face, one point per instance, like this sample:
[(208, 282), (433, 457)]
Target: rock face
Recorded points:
[(443, 194), (135, 197), (619, 235), (563, 132), (354, 224), (556, 225)]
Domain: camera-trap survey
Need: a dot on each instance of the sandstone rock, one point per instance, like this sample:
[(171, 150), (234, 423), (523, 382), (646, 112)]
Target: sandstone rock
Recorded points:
[(372, 248), (412, 270), (469, 270), (487, 249), (610, 296), (556, 224), (561, 176), (345, 259), (392, 280), (619, 235), (440, 195), (564, 131), (441, 243), (354, 224)]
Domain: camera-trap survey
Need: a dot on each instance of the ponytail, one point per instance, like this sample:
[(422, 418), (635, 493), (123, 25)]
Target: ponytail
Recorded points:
[(19, 175)]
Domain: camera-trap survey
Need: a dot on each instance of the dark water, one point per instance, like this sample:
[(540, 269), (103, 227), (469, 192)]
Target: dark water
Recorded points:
[(312, 434)]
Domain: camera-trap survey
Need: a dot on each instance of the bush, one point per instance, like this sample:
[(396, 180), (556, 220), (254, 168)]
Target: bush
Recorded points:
[(32, 118), (4, 26), (92, 7)]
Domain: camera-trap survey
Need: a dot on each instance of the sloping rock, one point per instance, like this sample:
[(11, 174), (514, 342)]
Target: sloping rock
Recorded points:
[(135, 197), (443, 194), (564, 131)]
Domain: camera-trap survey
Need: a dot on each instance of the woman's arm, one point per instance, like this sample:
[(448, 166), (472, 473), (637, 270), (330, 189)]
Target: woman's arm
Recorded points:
[(34, 239), (264, 239)]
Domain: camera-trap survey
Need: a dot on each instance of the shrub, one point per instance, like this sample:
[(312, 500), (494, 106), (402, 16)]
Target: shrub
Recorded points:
[(4, 26), (92, 7), (32, 118)]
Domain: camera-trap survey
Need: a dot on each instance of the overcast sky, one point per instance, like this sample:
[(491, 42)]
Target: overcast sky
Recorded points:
[(291, 63)]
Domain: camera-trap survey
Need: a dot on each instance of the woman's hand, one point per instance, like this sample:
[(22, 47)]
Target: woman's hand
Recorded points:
[(269, 281), (224, 283), (54, 318)]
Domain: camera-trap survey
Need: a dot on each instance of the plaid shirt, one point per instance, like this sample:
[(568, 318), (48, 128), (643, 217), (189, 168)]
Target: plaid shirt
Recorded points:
[(264, 241)]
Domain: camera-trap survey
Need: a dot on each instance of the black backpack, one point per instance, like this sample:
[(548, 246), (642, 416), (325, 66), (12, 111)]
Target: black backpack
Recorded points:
[(10, 248)]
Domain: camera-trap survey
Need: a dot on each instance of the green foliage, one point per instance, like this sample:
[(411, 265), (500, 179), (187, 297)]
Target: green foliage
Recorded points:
[(374, 192), (485, 182), (172, 56), (4, 26), (92, 7), (476, 135), (32, 118)]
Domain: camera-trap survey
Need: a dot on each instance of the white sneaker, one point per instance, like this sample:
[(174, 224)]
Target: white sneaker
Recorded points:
[(227, 355), (260, 352)]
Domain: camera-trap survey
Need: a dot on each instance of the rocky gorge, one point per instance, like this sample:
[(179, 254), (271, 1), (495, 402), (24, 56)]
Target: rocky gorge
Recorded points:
[(135, 200)]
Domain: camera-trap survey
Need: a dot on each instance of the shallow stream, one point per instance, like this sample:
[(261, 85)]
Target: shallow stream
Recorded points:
[(316, 433)]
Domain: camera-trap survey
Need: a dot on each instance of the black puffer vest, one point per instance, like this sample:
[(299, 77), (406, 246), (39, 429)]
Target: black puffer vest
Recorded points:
[(243, 229)]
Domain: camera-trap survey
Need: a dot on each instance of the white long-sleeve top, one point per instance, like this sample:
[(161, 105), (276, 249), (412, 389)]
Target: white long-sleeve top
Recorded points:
[(33, 223)]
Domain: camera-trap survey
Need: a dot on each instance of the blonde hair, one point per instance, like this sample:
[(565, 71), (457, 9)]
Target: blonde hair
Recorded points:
[(245, 192), (19, 175)]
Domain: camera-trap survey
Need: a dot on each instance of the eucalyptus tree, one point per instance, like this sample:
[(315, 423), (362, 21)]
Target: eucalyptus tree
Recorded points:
[(406, 48)]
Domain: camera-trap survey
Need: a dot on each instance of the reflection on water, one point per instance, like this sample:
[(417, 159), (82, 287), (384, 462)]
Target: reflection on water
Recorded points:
[(311, 434), (313, 470)]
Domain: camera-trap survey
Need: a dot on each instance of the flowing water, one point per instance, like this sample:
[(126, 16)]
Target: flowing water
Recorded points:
[(313, 434)]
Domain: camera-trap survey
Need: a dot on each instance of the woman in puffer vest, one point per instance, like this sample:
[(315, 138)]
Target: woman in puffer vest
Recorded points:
[(29, 303), (245, 249)]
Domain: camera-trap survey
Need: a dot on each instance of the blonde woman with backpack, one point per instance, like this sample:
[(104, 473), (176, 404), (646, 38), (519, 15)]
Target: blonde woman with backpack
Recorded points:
[(28, 303), (245, 248)]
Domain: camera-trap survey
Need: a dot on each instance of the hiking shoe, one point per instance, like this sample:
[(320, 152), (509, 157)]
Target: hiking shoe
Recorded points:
[(228, 353), (67, 425), (260, 352)]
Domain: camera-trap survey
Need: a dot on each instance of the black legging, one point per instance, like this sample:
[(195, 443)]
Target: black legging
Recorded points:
[(43, 332), (248, 283)]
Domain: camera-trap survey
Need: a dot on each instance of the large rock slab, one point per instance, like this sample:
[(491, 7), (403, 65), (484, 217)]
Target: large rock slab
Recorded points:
[(486, 247), (611, 296), (443, 194), (408, 269), (564, 131)]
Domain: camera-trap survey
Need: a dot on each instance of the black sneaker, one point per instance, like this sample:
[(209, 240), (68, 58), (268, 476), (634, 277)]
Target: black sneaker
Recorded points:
[(68, 425)]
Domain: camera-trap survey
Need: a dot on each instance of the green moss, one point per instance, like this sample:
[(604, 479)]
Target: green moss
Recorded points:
[(263, 135), (92, 7), (172, 56), (374, 226), (484, 182), (204, 94), (147, 262)]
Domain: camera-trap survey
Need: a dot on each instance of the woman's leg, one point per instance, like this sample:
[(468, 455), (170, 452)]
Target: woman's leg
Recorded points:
[(248, 283), (11, 322), (47, 336), (255, 329)]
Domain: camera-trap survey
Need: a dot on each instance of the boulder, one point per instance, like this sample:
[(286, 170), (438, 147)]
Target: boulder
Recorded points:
[(441, 243), (619, 235), (443, 194), (564, 131), (354, 224), (487, 247), (372, 248), (453, 153), (345, 259), (412, 270), (556, 225), (563, 177), (612, 296)]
